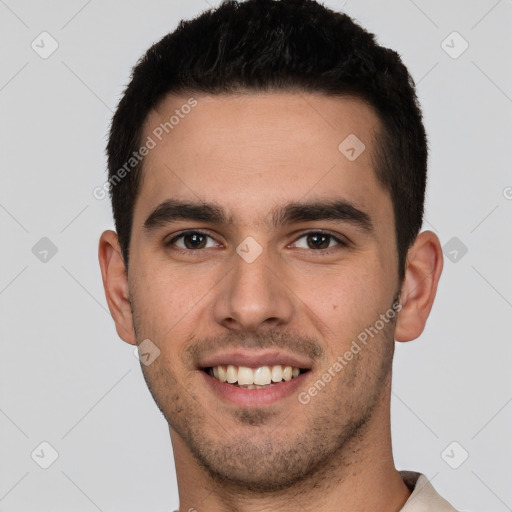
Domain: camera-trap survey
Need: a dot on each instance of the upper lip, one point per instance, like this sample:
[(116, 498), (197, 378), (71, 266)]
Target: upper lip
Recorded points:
[(254, 359)]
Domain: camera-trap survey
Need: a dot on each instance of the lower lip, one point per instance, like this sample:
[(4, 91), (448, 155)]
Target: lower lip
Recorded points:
[(254, 397)]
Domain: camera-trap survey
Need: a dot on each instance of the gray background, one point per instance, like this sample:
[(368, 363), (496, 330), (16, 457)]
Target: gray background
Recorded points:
[(67, 379)]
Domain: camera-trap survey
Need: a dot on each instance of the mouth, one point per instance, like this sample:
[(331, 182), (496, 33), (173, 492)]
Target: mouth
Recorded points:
[(244, 378), (254, 378)]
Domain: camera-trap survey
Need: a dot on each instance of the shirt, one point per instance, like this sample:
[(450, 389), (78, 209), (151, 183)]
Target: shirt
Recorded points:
[(424, 497)]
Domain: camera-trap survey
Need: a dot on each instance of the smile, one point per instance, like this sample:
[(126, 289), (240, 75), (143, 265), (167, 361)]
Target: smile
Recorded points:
[(254, 378)]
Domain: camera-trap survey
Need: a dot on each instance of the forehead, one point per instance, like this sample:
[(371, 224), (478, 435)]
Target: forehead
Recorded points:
[(255, 150)]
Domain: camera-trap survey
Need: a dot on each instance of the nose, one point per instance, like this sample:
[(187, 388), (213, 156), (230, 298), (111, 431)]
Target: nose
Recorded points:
[(254, 296)]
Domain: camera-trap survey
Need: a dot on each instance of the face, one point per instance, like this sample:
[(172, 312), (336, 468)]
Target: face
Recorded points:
[(229, 266)]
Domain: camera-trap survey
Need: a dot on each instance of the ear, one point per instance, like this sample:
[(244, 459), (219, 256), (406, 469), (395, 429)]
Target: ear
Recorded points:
[(423, 270), (115, 283)]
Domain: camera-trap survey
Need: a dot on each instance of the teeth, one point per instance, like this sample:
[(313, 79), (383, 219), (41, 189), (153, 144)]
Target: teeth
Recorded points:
[(222, 373), (287, 373), (262, 376), (277, 373), (245, 376), (254, 378), (255, 386), (231, 374)]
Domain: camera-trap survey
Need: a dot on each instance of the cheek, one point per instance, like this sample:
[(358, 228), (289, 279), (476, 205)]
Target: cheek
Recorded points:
[(343, 302), (344, 288), (160, 301)]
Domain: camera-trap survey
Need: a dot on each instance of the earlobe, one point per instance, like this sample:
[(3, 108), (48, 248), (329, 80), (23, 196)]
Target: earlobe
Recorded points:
[(423, 270), (115, 283)]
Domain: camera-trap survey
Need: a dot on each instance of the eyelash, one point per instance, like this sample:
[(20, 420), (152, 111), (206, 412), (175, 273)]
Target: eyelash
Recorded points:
[(341, 243)]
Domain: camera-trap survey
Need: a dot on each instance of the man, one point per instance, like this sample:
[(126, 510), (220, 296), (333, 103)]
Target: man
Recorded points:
[(267, 168)]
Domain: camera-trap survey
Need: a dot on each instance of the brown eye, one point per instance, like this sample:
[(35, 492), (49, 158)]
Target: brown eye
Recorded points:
[(191, 240), (318, 240)]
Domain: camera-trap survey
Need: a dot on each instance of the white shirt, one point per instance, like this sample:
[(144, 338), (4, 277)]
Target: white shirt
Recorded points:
[(424, 497)]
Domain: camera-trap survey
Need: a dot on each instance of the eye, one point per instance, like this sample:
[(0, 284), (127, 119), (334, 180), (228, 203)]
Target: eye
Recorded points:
[(191, 240), (320, 241), (195, 240)]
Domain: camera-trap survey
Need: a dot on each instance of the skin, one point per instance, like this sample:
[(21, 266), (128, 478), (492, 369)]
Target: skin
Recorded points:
[(250, 153)]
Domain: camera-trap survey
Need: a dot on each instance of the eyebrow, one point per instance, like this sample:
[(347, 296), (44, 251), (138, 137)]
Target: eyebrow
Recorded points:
[(172, 210)]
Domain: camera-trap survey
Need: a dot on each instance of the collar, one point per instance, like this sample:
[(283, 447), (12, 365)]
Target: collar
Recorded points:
[(424, 497)]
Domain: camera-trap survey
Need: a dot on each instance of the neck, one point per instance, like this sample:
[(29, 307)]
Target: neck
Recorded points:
[(360, 476)]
